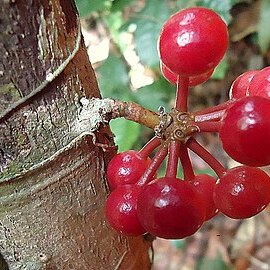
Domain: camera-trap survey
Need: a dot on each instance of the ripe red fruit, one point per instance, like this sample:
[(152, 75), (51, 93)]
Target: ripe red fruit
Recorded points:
[(242, 192), (241, 85), (121, 210), (126, 168), (205, 185), (260, 83), (193, 41), (170, 208), (193, 80), (245, 131)]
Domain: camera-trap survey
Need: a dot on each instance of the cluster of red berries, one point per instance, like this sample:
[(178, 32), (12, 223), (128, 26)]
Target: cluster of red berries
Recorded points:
[(191, 44)]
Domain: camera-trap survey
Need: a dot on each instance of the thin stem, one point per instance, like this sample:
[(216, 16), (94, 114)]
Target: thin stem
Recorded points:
[(97, 111), (134, 112), (211, 116), (149, 147), (216, 108), (182, 94), (186, 163), (198, 149), (208, 126), (154, 165), (174, 152)]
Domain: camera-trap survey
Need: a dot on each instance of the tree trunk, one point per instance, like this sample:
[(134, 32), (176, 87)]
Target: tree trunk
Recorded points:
[(52, 185)]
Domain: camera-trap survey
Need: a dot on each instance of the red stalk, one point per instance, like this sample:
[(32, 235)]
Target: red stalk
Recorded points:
[(182, 94), (181, 101), (174, 152), (198, 149), (149, 147), (214, 113), (186, 163), (212, 116), (154, 165), (208, 126), (216, 108)]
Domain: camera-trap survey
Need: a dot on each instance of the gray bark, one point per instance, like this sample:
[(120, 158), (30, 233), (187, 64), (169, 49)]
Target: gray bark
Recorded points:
[(52, 184)]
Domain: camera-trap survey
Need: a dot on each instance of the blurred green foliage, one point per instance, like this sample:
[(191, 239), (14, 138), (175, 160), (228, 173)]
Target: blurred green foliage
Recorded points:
[(215, 264), (264, 22), (148, 23), (145, 19)]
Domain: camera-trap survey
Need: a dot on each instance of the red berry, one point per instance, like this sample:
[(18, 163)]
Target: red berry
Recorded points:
[(126, 168), (241, 85), (205, 185), (170, 208), (193, 80), (193, 41), (242, 192), (121, 210), (260, 84), (245, 131)]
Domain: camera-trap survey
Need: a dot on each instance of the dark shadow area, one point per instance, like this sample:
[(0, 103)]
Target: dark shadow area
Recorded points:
[(3, 263)]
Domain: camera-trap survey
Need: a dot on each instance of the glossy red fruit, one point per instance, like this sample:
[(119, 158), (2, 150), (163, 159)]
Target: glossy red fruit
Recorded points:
[(121, 210), (193, 80), (242, 192), (193, 41), (245, 132), (205, 185), (241, 85), (260, 84), (126, 168), (170, 208)]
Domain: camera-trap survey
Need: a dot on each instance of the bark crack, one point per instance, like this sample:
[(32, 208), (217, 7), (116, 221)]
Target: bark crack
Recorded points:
[(49, 78)]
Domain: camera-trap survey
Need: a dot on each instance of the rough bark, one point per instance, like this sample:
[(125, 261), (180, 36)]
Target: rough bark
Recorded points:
[(52, 185)]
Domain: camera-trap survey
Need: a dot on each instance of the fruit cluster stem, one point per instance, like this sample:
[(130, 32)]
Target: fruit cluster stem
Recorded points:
[(154, 165), (211, 116), (186, 163), (134, 112), (208, 126), (219, 107), (198, 149), (182, 94), (173, 155), (181, 104), (149, 147)]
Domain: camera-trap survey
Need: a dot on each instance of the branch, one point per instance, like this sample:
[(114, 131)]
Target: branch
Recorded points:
[(96, 111)]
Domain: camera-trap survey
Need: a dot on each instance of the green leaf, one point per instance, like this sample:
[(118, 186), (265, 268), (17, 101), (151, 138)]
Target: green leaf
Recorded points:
[(114, 22), (85, 7), (118, 5), (206, 171), (222, 7), (185, 4), (113, 79), (126, 133), (221, 70), (264, 22), (157, 94), (148, 24)]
